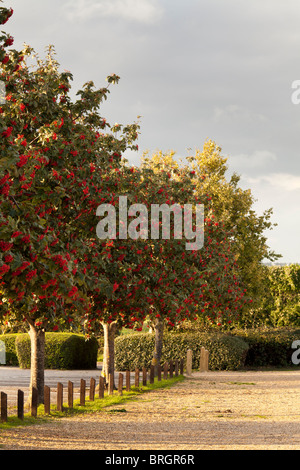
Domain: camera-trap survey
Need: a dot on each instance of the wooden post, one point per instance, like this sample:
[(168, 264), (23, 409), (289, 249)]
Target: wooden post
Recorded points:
[(34, 401), (144, 376), (181, 366), (201, 365), (206, 359), (101, 387), (152, 374), (166, 369), (204, 356), (127, 380), (137, 378), (3, 407), (159, 373), (82, 392), (20, 404), (120, 384), (46, 400), (92, 389), (110, 384), (59, 398), (189, 360), (70, 394)]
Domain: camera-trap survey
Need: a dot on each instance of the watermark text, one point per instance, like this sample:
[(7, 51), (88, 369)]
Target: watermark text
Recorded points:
[(145, 224)]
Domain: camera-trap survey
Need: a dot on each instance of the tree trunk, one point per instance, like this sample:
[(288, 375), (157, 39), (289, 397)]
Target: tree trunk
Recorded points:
[(159, 334), (109, 350), (37, 370)]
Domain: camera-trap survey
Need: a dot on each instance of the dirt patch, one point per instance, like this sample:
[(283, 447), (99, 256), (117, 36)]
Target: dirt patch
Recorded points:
[(214, 410)]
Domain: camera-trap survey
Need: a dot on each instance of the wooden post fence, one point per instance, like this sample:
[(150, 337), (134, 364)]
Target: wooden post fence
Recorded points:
[(189, 359), (34, 401), (204, 357), (127, 380), (82, 392), (60, 397), (101, 387), (20, 404), (70, 394), (167, 369), (46, 400), (3, 406), (92, 389)]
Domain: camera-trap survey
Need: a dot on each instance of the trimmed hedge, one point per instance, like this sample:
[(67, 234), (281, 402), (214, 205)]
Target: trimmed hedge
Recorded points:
[(226, 352), (10, 349), (62, 351), (269, 347)]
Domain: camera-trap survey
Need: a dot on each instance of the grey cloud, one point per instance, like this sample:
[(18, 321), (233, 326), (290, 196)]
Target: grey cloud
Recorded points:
[(194, 70), (144, 11)]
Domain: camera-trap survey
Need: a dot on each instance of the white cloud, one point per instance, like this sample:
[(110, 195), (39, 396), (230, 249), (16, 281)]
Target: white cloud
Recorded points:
[(257, 159), (281, 192), (234, 112), (284, 181), (144, 11)]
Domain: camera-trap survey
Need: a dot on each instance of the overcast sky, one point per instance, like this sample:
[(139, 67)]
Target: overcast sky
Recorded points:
[(194, 70)]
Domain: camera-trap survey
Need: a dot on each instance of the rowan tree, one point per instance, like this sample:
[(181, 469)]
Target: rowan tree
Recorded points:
[(206, 277), (231, 207), (50, 149), (146, 277)]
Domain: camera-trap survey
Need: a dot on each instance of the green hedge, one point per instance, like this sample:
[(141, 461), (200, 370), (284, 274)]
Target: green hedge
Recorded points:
[(226, 352), (62, 351), (269, 347), (10, 349)]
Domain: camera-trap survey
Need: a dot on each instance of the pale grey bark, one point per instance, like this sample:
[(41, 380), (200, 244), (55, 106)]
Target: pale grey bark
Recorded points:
[(109, 349), (37, 370)]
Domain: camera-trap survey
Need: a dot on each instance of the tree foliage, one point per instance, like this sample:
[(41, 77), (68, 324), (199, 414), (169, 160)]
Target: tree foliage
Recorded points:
[(230, 207), (280, 302), (234, 206), (57, 161)]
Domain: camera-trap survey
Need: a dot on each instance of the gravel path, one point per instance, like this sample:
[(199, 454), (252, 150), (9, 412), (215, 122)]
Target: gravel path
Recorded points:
[(213, 410)]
